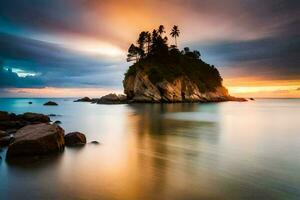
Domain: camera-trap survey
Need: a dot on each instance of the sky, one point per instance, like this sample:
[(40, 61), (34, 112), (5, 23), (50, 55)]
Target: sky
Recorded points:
[(73, 48)]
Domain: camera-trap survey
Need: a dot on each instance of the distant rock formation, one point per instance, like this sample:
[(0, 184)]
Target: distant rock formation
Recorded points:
[(139, 88), (50, 103), (112, 99), (84, 99)]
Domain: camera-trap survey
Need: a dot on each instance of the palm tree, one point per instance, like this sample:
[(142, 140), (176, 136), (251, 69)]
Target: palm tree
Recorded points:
[(175, 33), (161, 29)]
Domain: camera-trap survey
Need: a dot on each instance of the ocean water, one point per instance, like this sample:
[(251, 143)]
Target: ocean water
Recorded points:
[(230, 150)]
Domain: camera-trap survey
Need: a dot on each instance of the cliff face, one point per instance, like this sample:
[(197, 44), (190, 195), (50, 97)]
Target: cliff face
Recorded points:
[(139, 88)]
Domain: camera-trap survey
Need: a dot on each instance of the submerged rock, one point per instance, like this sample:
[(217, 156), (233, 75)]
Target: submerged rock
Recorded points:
[(34, 140), (29, 102), (75, 139), (50, 103)]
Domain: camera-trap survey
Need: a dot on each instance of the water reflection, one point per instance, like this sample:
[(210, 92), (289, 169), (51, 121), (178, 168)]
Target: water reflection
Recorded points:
[(170, 151)]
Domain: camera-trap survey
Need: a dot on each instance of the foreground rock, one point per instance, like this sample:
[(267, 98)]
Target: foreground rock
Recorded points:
[(75, 139), (10, 122), (50, 103), (35, 140)]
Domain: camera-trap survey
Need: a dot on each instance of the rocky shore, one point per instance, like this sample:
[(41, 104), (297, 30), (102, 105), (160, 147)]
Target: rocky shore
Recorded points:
[(33, 134)]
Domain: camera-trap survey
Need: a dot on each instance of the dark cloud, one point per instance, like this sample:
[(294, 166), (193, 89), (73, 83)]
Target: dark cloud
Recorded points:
[(274, 57), (11, 79), (55, 65)]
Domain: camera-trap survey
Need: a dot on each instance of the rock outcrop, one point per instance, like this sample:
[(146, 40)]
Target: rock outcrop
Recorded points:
[(35, 140), (11, 121), (139, 88), (84, 99), (75, 139), (112, 99), (50, 103), (5, 141)]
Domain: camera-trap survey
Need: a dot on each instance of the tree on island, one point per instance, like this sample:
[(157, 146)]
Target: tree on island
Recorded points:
[(159, 61), (155, 45), (175, 33)]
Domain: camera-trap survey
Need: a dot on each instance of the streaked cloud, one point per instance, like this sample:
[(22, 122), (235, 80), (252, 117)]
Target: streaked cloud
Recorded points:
[(82, 43)]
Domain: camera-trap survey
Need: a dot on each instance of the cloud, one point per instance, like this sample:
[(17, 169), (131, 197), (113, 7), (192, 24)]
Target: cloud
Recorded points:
[(298, 89), (274, 57), (242, 38), (11, 79), (56, 65)]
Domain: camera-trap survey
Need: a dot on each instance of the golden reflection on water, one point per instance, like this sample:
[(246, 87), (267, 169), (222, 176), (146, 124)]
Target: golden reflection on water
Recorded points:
[(171, 151)]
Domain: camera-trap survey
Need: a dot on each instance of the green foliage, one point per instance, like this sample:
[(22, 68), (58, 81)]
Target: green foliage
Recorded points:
[(161, 62)]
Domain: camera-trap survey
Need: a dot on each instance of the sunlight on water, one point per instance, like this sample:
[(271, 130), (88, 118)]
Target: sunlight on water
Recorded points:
[(175, 151)]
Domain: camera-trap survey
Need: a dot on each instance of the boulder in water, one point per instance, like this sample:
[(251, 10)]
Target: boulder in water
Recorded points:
[(113, 98), (84, 99), (50, 103), (75, 139), (35, 140), (11, 121), (94, 142), (34, 117)]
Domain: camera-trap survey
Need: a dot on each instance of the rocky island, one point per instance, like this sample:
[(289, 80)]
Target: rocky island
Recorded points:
[(161, 73)]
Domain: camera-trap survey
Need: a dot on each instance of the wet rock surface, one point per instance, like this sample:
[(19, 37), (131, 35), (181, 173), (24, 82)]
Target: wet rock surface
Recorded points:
[(38, 139), (10, 122), (75, 139)]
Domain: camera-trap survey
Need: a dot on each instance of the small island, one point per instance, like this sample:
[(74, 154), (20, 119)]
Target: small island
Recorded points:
[(161, 73)]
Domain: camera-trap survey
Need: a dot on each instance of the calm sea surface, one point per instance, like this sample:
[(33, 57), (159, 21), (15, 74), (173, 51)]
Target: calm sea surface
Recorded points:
[(225, 150)]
